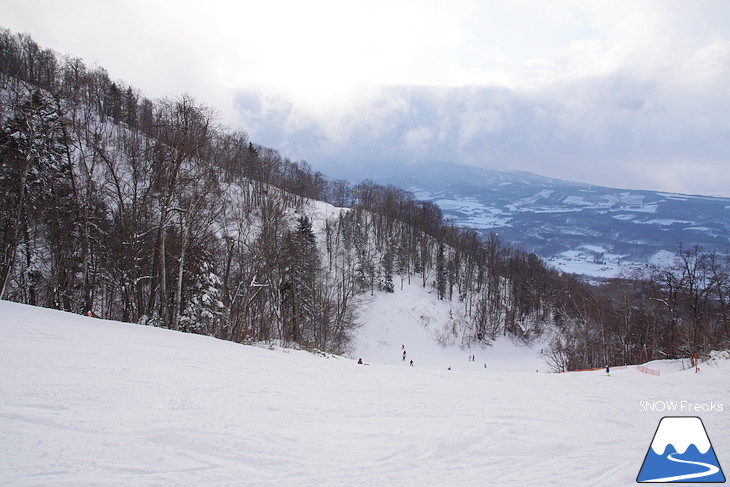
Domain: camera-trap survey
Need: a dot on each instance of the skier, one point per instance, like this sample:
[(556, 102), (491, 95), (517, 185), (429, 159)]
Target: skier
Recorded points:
[(608, 371), (359, 361), (404, 355), (411, 363)]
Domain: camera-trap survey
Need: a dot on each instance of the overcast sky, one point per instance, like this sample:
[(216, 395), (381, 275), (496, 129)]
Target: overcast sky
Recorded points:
[(632, 94)]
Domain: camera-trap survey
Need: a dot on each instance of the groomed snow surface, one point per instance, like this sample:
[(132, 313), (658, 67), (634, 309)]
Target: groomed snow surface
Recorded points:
[(89, 402)]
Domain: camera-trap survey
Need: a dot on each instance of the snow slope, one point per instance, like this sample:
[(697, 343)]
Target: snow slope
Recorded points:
[(89, 402), (413, 318)]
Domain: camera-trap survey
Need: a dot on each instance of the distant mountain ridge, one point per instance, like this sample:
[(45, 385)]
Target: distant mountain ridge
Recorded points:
[(584, 228)]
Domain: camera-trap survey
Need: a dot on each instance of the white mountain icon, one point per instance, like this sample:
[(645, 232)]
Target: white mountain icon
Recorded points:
[(680, 432)]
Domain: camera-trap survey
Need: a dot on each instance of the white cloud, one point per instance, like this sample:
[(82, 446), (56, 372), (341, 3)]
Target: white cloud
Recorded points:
[(640, 86), (418, 139)]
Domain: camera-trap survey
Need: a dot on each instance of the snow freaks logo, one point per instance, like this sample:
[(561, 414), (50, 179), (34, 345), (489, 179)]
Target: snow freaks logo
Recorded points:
[(681, 452)]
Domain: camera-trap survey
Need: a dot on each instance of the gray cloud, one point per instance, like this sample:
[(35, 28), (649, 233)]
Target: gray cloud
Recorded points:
[(620, 130)]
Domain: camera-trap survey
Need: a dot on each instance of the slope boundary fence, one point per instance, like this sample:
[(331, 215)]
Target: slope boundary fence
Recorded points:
[(647, 370)]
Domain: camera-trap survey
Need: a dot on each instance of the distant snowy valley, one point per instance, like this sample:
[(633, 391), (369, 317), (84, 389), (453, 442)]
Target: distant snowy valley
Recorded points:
[(575, 227)]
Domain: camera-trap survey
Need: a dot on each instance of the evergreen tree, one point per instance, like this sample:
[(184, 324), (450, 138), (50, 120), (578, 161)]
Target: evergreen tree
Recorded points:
[(299, 288), (205, 312), (32, 155), (441, 271), (388, 286), (129, 110)]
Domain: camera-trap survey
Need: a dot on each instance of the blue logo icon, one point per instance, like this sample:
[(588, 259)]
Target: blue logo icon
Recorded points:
[(681, 452)]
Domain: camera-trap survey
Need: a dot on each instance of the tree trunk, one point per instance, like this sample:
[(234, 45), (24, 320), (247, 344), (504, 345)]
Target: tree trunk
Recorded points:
[(177, 303), (12, 250)]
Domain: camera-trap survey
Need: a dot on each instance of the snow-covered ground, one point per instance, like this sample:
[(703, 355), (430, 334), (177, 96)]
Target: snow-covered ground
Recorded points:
[(412, 319), (89, 402), (584, 262)]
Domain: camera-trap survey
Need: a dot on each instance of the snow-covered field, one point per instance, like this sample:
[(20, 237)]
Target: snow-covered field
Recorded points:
[(90, 402)]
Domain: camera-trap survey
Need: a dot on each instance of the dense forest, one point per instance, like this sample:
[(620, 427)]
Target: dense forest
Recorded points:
[(152, 211)]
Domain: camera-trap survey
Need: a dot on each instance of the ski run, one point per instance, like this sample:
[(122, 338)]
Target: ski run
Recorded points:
[(87, 402)]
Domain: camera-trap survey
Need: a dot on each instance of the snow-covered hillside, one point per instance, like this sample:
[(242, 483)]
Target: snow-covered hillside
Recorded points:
[(91, 402), (414, 320)]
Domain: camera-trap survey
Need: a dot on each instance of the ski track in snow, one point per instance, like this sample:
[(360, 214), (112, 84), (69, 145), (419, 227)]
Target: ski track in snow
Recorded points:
[(711, 470), (86, 402)]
